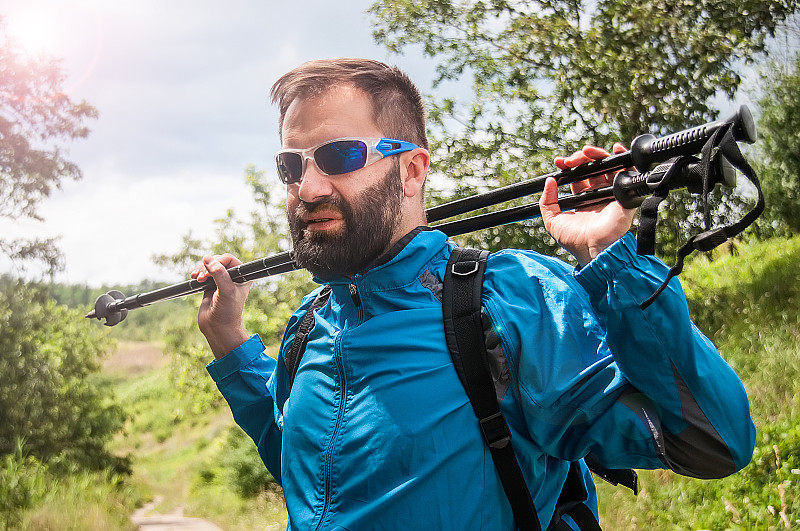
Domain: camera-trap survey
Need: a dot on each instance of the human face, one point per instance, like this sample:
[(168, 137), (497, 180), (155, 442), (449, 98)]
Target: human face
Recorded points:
[(340, 223), (370, 221)]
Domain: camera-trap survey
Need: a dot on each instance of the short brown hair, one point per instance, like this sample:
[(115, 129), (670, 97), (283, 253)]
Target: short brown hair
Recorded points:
[(396, 102)]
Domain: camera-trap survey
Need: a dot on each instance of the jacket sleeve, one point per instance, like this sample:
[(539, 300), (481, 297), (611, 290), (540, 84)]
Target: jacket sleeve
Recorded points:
[(636, 388), (256, 386), (243, 376)]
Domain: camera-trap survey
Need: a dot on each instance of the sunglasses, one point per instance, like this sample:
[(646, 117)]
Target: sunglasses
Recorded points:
[(338, 156)]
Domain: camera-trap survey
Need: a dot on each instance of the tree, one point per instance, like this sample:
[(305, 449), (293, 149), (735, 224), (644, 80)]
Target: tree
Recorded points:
[(550, 75), (779, 163), (47, 357), (35, 116)]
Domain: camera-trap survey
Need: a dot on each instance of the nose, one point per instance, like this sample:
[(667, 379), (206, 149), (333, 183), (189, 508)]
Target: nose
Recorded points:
[(314, 185)]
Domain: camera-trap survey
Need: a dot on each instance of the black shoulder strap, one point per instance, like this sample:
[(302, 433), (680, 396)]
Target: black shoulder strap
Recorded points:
[(461, 306), (295, 353)]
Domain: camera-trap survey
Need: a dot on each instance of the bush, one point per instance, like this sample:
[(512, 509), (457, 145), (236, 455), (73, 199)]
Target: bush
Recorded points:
[(47, 357), (237, 465), (22, 485)]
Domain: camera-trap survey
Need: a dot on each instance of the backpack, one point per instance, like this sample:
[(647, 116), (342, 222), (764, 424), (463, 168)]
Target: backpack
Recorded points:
[(461, 308)]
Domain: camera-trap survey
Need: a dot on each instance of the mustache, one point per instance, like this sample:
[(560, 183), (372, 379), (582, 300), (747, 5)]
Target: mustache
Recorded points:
[(332, 203)]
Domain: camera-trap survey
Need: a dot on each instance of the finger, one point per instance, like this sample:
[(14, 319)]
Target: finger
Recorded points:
[(228, 260), (217, 270), (576, 159), (548, 202), (594, 153), (200, 272), (619, 148)]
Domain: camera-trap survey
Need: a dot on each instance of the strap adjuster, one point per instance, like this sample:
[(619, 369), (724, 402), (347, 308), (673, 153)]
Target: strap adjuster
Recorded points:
[(465, 268), (495, 431), (710, 239)]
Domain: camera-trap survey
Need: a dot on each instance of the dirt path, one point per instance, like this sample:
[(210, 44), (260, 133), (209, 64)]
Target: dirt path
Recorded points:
[(173, 520)]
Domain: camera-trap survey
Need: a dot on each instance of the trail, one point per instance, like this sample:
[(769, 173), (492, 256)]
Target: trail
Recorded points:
[(174, 520)]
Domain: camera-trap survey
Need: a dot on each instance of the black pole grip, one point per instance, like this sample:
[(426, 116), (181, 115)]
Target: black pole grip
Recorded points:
[(646, 150)]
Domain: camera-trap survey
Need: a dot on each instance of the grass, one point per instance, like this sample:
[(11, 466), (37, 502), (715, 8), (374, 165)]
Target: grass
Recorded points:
[(85, 502), (175, 447)]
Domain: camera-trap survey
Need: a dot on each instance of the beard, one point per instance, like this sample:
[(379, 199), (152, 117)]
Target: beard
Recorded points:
[(370, 222)]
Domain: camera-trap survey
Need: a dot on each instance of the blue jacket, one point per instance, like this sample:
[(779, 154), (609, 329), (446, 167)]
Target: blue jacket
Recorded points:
[(378, 432)]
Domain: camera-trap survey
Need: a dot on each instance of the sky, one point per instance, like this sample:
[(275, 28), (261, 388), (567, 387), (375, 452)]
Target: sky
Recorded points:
[(182, 88)]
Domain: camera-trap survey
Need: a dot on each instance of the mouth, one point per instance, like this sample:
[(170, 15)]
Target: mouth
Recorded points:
[(314, 221), (323, 219)]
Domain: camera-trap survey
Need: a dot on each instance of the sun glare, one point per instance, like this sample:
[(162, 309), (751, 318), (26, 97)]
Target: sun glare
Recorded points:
[(38, 33), (71, 32)]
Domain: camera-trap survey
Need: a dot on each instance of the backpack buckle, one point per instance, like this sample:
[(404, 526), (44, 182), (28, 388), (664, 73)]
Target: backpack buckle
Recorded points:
[(495, 431)]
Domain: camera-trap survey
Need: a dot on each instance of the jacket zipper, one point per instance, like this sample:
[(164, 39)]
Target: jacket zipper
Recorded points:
[(356, 301), (354, 295), (337, 356)]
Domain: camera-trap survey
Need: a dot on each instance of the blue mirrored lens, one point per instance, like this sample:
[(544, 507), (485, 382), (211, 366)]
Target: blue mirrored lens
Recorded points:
[(341, 157)]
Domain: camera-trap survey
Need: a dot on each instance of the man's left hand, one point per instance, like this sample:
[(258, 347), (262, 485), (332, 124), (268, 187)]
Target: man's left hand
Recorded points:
[(587, 232)]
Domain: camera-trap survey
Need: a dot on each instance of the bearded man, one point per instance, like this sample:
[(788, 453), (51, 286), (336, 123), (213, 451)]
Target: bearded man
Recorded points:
[(375, 430)]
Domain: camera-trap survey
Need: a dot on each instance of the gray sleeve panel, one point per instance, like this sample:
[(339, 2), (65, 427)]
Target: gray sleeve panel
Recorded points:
[(698, 451), (498, 364), (430, 282)]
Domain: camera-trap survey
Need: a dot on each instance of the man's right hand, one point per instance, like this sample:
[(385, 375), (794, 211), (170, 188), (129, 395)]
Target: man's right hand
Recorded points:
[(220, 316)]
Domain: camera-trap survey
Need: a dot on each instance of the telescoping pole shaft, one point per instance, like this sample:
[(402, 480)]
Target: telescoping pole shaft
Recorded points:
[(645, 151)]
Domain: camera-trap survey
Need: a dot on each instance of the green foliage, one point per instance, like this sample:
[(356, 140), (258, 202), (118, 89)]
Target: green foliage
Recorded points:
[(779, 148), (183, 456), (271, 300), (189, 354), (265, 233), (550, 76), (734, 298), (236, 464), (22, 485), (34, 116), (48, 355), (140, 325)]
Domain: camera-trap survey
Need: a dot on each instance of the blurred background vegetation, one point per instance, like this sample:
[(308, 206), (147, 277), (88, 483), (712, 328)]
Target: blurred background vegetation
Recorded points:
[(95, 422)]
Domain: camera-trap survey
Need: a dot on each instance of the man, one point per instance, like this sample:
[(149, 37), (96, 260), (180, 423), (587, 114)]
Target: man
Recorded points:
[(378, 432)]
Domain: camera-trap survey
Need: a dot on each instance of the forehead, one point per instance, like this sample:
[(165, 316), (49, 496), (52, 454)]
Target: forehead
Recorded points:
[(342, 111)]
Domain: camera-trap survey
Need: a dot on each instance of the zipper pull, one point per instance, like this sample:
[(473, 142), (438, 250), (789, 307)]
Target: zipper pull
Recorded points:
[(354, 295)]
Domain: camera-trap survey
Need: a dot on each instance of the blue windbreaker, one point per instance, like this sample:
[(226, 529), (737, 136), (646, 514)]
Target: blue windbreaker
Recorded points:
[(378, 432)]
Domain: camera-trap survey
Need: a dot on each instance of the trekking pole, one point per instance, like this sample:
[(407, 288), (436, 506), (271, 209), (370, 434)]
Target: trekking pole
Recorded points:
[(629, 187)]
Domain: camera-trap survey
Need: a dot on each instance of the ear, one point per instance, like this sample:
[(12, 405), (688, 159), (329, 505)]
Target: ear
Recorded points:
[(415, 163)]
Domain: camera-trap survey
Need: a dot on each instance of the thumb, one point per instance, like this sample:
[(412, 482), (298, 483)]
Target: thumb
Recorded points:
[(217, 271)]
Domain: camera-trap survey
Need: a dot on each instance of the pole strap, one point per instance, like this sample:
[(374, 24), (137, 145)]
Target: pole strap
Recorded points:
[(724, 143)]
